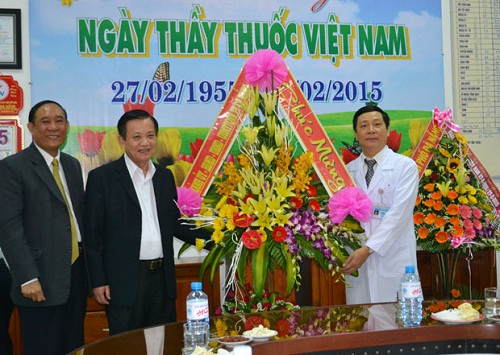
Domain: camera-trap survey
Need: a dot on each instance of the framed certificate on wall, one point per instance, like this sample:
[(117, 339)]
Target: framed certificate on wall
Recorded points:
[(10, 39)]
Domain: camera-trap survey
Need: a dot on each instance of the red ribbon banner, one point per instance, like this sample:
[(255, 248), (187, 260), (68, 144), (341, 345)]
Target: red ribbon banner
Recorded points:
[(313, 138), (305, 124)]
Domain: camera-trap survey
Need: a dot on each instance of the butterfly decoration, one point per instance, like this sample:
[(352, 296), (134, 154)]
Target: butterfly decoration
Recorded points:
[(355, 148), (162, 72)]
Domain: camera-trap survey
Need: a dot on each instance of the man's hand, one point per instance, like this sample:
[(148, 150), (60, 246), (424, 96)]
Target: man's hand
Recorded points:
[(33, 291), (102, 294), (355, 260)]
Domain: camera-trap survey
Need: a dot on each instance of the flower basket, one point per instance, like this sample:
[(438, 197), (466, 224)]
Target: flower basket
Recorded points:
[(453, 214), (267, 209)]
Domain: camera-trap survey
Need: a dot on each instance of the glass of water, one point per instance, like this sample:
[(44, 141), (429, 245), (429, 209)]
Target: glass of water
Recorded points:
[(491, 301)]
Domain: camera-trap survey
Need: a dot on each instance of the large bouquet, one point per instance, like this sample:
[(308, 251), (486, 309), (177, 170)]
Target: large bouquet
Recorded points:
[(452, 210), (267, 208)]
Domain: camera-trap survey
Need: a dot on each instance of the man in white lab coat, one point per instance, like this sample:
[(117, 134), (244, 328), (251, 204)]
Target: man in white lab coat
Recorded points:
[(389, 242)]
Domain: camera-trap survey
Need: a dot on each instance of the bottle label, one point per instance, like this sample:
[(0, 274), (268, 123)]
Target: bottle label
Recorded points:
[(197, 310), (411, 290)]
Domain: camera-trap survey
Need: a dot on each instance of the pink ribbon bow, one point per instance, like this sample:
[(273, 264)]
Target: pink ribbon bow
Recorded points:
[(445, 118)]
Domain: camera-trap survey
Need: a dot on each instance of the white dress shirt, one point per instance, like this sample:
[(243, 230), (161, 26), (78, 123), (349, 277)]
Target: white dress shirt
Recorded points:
[(151, 247)]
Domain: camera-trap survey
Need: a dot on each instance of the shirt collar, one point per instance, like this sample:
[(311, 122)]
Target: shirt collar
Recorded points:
[(47, 157), (133, 169), (378, 157)]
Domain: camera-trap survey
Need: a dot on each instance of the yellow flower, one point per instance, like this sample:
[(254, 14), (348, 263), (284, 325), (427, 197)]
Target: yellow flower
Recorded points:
[(263, 234), (222, 202), (206, 212), (280, 134), (472, 200), (267, 154), (228, 211), (221, 327), (472, 190), (260, 206), (270, 99), (274, 203), (230, 226), (253, 104), (251, 133), (111, 148), (461, 138), (271, 125), (253, 179), (233, 177), (217, 236), (444, 152), (244, 161), (283, 218), (461, 178), (416, 131), (283, 160), (218, 224), (463, 200), (281, 186), (263, 221), (168, 146), (428, 172), (247, 208), (453, 164), (200, 243), (444, 188)]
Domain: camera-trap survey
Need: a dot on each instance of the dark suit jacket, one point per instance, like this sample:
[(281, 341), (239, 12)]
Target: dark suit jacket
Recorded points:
[(113, 226), (35, 231)]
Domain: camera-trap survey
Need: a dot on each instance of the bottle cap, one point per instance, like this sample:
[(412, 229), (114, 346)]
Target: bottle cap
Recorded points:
[(196, 286), (410, 269)]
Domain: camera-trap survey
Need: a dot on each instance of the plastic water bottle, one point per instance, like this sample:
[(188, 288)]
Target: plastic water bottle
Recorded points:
[(197, 304), (411, 298), (197, 315)]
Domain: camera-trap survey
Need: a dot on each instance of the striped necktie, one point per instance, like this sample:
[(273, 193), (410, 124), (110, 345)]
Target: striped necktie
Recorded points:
[(369, 173), (74, 238)]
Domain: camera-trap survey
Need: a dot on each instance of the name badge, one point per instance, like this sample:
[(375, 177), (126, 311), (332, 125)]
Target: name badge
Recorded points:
[(379, 212)]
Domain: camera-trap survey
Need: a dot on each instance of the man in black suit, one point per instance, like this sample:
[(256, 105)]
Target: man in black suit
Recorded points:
[(40, 215), (130, 223)]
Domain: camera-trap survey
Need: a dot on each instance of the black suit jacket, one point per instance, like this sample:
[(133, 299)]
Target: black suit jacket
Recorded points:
[(113, 224), (35, 231)]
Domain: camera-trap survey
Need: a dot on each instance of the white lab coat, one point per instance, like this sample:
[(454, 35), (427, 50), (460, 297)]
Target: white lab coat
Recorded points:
[(394, 187)]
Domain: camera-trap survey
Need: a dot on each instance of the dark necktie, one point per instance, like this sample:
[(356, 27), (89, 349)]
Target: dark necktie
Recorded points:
[(74, 238), (369, 173)]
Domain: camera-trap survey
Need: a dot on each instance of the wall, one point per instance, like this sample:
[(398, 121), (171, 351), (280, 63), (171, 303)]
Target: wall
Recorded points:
[(22, 76)]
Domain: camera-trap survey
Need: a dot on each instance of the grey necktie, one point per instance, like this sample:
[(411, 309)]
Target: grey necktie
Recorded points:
[(369, 173)]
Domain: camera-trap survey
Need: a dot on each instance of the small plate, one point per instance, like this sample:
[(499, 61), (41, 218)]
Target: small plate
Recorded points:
[(494, 318), (231, 344), (450, 321), (262, 337)]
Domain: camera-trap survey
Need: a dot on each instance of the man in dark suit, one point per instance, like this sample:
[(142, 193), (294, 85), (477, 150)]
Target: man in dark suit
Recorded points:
[(130, 223), (39, 231)]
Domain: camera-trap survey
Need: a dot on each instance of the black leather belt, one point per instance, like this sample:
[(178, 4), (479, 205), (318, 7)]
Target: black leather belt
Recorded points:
[(151, 264)]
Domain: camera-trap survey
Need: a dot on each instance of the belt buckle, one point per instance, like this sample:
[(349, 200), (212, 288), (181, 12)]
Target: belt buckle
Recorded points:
[(155, 264)]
